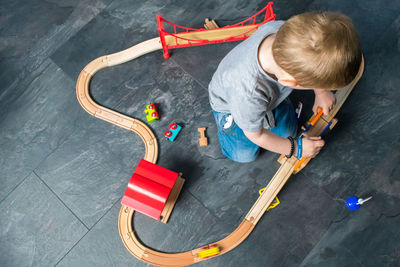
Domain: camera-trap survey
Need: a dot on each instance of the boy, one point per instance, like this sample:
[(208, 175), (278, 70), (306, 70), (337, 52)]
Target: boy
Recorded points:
[(249, 90)]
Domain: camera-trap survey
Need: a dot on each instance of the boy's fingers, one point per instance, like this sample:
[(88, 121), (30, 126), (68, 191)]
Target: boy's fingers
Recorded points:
[(315, 109), (327, 110), (320, 143)]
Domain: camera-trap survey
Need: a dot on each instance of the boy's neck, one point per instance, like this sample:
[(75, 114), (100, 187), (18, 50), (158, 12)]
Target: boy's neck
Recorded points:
[(266, 59)]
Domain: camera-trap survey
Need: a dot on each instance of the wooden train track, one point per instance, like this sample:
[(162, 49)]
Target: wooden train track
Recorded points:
[(125, 221)]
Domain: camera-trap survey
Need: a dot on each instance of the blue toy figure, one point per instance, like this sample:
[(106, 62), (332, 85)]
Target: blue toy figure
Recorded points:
[(354, 203), (173, 131)]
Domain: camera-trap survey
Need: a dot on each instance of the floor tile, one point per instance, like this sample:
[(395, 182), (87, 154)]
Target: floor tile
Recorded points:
[(36, 229), (103, 246), (91, 169), (114, 29), (383, 184), (45, 26), (285, 234), (341, 245), (35, 124)]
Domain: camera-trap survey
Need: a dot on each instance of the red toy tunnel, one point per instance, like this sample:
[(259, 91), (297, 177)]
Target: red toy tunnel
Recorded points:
[(153, 190)]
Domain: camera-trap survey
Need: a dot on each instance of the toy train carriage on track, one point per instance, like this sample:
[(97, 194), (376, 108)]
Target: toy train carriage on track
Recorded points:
[(152, 113), (208, 251)]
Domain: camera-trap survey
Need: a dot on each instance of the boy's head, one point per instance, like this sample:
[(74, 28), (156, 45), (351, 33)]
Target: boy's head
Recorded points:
[(321, 50)]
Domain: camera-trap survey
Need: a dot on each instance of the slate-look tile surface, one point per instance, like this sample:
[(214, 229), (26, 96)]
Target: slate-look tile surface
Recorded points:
[(82, 165), (36, 229), (102, 246), (90, 170), (39, 120), (361, 239), (186, 226), (32, 30)]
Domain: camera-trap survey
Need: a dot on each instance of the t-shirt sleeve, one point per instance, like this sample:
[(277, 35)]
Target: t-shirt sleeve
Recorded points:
[(250, 112)]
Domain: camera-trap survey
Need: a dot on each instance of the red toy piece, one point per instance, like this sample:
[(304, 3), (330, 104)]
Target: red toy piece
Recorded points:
[(149, 189)]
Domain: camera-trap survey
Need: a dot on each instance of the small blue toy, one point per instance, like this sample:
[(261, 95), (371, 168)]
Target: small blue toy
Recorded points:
[(354, 203), (173, 131)]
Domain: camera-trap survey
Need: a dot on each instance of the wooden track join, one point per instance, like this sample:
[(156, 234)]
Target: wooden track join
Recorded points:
[(125, 222)]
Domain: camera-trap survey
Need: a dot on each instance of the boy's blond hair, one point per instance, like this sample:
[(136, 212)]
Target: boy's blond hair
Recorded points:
[(321, 50)]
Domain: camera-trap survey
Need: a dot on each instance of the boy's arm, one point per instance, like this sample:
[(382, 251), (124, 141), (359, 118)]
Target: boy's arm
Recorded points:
[(270, 141), (324, 99), (273, 142)]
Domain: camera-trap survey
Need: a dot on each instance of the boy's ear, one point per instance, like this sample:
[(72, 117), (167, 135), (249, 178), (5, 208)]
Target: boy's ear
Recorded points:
[(287, 80), (288, 83)]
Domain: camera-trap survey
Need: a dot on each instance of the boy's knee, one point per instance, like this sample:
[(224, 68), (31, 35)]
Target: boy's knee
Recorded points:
[(242, 156)]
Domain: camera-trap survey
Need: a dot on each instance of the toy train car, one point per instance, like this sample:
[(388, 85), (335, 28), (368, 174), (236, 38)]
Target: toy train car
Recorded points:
[(152, 113), (173, 131), (274, 203), (209, 251)]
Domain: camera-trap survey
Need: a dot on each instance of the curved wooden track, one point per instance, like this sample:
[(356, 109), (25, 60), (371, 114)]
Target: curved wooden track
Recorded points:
[(125, 223), (88, 104)]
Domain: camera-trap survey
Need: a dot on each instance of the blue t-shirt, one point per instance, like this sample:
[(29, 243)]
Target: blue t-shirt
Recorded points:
[(242, 88)]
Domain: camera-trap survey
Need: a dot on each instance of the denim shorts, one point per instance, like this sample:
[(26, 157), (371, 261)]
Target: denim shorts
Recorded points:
[(234, 143)]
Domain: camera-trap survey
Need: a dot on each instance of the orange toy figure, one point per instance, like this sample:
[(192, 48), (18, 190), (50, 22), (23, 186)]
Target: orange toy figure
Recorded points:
[(203, 141)]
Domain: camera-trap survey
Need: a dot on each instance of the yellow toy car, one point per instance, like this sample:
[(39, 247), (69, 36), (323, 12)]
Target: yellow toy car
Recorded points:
[(209, 251), (274, 203)]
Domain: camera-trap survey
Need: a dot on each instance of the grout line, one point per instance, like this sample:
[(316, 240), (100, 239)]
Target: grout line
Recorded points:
[(54, 150), (71, 248), (86, 233), (194, 79), (48, 155), (23, 80), (9, 193), (210, 211), (88, 228)]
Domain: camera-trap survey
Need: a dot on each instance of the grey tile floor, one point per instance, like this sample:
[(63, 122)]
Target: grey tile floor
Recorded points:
[(63, 172)]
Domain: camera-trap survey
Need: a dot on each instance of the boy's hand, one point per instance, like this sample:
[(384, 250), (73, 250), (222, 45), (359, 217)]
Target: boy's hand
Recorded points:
[(324, 99), (312, 146)]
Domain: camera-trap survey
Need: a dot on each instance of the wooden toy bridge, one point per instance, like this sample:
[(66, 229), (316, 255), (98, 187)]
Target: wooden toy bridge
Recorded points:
[(175, 36), (176, 39)]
